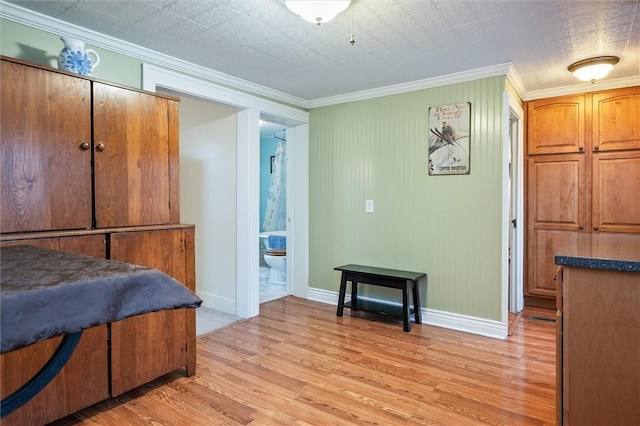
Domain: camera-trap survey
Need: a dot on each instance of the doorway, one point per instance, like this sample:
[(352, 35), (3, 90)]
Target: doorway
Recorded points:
[(273, 211), (249, 111)]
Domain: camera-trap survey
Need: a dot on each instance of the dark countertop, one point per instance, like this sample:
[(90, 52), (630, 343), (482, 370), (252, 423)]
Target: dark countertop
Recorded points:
[(615, 252)]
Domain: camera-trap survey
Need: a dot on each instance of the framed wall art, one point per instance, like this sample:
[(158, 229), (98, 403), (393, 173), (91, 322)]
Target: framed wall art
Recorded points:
[(449, 139)]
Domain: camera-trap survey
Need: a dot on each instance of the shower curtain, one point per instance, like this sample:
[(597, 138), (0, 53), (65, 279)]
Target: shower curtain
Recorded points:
[(275, 215)]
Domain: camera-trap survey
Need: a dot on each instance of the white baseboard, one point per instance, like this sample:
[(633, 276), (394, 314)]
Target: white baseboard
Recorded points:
[(450, 320), (212, 301)]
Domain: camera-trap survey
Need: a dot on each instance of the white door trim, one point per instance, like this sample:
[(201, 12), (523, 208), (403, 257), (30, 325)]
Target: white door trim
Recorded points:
[(250, 109), (512, 147)]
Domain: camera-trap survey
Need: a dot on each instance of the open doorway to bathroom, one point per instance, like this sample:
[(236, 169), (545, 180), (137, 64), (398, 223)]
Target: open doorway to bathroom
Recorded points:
[(273, 212)]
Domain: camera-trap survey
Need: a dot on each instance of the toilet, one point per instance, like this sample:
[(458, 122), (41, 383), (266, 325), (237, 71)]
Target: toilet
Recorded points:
[(275, 256)]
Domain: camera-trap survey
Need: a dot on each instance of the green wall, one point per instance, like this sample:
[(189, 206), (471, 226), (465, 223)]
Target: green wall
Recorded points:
[(41, 47), (446, 226)]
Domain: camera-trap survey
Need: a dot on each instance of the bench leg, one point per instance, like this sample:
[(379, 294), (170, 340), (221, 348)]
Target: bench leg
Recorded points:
[(416, 303), (405, 309), (343, 292), (354, 295)]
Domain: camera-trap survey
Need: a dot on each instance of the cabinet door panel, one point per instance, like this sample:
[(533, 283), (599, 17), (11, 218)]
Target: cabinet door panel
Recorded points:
[(556, 125), (616, 119), (82, 382), (616, 195), (132, 182), (543, 247), (556, 203), (556, 188), (148, 346), (46, 176)]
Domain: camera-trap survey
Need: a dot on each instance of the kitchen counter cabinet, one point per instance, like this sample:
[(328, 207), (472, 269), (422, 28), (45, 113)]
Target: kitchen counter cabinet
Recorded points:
[(599, 330)]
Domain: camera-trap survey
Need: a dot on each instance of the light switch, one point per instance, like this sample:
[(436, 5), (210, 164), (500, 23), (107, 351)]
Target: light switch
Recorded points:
[(368, 207)]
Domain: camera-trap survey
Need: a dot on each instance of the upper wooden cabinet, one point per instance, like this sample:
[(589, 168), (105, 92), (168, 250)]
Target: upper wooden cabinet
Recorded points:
[(556, 125), (616, 119), (46, 168), (599, 121), (131, 137), (57, 126)]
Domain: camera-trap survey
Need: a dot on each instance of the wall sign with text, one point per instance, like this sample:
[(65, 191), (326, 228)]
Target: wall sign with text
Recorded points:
[(449, 139)]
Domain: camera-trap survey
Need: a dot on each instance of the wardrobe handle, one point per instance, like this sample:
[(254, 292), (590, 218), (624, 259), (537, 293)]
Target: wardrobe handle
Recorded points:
[(595, 228), (596, 148), (85, 146), (580, 227), (581, 148), (101, 147)]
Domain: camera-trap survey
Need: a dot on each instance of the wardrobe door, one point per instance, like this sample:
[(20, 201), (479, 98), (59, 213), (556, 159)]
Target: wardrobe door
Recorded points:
[(132, 168), (84, 380), (615, 194), (144, 347), (616, 119), (556, 208), (556, 125), (45, 136)]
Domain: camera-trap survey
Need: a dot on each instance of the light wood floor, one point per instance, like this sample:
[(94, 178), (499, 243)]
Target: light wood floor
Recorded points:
[(297, 363)]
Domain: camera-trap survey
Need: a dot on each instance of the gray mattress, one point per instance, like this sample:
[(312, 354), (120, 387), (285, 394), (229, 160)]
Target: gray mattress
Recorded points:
[(47, 293)]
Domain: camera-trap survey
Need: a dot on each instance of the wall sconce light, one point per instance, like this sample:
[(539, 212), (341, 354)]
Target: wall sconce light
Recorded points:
[(593, 69), (317, 11)]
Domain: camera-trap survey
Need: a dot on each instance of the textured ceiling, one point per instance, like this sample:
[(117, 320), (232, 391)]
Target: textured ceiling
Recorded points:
[(396, 41)]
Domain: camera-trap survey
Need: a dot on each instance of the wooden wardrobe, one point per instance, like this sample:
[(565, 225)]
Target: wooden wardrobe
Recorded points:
[(90, 167)]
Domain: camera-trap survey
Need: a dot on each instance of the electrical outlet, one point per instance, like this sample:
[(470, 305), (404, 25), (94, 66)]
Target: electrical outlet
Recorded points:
[(368, 206)]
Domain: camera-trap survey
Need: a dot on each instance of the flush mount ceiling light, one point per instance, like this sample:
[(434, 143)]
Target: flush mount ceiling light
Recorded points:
[(593, 69), (317, 11)]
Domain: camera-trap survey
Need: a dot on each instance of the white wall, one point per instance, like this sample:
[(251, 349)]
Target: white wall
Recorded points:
[(208, 133)]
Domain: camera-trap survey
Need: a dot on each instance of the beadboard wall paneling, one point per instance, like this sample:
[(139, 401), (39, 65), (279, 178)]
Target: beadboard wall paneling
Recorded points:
[(446, 226)]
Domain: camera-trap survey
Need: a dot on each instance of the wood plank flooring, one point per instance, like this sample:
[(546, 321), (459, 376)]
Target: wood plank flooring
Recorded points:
[(299, 364)]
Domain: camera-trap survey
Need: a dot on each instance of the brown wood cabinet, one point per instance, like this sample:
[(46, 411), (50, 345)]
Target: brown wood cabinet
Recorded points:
[(135, 341), (615, 203), (583, 169), (46, 117), (58, 129), (82, 382), (556, 125), (91, 168), (616, 119), (556, 194), (598, 365), (141, 348)]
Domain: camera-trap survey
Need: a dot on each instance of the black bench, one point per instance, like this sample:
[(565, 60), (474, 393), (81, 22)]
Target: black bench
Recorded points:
[(391, 278)]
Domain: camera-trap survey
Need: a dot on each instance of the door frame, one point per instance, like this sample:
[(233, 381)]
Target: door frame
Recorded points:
[(250, 110), (513, 199)]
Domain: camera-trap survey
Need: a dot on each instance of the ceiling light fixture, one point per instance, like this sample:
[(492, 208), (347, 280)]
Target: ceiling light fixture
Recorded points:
[(317, 11), (593, 69)]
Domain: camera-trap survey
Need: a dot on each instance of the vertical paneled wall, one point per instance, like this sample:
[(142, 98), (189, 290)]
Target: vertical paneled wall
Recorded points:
[(447, 226)]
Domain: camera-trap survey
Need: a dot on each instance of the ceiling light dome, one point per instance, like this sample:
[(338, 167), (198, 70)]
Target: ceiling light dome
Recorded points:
[(593, 69), (317, 11)]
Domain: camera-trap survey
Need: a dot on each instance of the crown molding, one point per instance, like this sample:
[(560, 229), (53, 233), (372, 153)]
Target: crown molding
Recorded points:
[(583, 88), (55, 26), (52, 25), (516, 82), (428, 83)]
